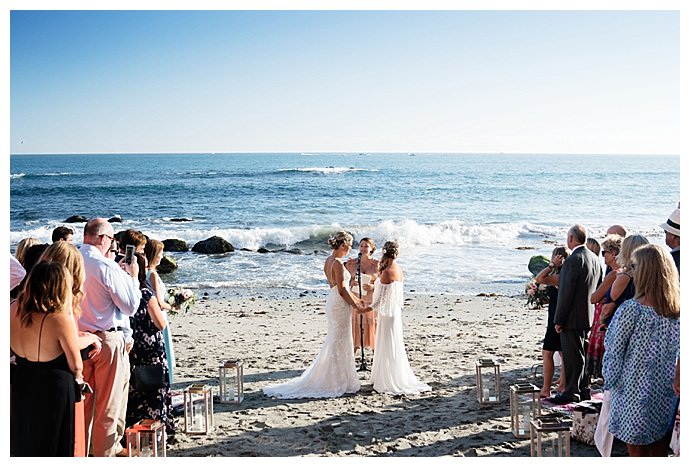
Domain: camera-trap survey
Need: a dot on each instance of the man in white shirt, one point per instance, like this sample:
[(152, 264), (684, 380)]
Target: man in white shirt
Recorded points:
[(111, 295)]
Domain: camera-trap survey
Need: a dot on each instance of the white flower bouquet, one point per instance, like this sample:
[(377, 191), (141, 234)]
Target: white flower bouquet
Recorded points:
[(180, 299), (536, 295)]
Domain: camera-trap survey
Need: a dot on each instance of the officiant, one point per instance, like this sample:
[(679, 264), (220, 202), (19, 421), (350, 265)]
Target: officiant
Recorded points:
[(364, 333)]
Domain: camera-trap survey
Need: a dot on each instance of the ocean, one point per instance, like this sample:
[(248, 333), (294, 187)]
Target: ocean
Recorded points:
[(466, 223)]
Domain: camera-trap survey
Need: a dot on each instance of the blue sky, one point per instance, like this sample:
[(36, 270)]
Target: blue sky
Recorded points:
[(378, 81)]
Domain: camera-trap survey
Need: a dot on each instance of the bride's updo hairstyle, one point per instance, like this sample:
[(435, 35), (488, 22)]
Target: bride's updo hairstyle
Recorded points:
[(337, 240), (390, 252)]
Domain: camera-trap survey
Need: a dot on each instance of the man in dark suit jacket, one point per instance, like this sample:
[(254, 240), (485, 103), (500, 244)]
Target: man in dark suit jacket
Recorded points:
[(580, 275)]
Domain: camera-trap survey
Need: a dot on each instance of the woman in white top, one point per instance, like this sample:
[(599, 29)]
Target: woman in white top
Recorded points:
[(332, 373), (391, 371)]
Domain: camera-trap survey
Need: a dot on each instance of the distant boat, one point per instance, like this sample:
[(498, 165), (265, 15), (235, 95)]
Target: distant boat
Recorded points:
[(412, 154)]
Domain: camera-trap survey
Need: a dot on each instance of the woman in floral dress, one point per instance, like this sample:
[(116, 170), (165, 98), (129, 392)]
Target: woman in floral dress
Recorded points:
[(149, 349), (642, 343)]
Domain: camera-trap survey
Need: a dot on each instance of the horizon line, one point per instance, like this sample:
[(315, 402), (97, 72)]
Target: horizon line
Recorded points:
[(326, 153)]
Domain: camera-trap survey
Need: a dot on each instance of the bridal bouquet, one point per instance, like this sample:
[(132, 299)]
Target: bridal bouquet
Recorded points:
[(180, 299), (536, 295)]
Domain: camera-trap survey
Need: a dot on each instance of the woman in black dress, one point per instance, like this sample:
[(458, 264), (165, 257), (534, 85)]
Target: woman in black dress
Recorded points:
[(44, 383), (552, 341), (149, 349)]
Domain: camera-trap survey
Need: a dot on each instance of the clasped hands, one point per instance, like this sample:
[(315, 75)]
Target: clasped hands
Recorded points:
[(360, 307)]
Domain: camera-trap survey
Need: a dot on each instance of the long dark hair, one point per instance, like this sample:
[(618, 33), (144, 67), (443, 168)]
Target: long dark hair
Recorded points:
[(390, 252)]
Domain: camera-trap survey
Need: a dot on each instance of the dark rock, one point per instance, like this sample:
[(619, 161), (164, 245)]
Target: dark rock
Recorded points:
[(246, 249), (294, 251), (75, 219), (537, 263), (213, 245), (175, 244), (115, 218), (167, 265), (181, 219), (263, 250)]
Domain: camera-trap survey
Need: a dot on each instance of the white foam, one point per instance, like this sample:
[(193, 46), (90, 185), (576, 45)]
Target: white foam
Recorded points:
[(12, 176), (327, 170)]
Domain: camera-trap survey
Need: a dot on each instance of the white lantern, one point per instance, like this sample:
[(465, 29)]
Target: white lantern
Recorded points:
[(198, 409), (550, 436), (488, 381), (231, 382), (146, 438), (525, 406)]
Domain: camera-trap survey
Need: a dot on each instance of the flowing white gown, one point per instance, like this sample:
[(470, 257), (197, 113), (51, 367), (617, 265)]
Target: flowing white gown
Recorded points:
[(332, 373), (391, 370)]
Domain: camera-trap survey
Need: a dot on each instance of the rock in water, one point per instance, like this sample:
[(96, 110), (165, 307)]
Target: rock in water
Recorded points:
[(174, 244), (181, 219), (115, 218), (75, 219), (537, 263), (167, 265), (213, 245), (263, 250)]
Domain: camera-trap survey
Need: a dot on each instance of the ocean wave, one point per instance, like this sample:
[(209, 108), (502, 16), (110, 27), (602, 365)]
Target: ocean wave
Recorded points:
[(46, 174), (330, 170), (13, 176)]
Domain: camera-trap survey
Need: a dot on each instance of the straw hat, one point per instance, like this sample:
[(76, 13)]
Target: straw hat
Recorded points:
[(672, 225)]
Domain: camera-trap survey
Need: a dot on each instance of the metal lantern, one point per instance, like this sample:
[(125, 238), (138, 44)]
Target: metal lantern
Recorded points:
[(198, 409), (488, 381), (146, 439), (230, 381), (550, 436), (525, 406)]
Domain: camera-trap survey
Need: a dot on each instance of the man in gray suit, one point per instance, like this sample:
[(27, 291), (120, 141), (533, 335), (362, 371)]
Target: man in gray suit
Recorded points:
[(580, 275)]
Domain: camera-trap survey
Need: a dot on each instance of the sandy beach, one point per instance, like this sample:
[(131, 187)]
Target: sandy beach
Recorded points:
[(278, 338)]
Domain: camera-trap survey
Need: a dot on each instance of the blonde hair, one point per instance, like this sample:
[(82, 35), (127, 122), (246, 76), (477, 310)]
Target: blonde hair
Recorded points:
[(390, 252), (337, 240), (629, 245), (47, 290), (152, 249), (612, 242), (69, 256), (656, 278), (23, 246)]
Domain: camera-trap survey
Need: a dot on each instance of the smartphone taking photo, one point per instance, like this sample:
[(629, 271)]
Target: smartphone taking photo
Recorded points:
[(129, 252)]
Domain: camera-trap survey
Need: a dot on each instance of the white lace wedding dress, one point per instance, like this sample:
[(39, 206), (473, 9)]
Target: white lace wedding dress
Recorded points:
[(391, 370), (332, 373)]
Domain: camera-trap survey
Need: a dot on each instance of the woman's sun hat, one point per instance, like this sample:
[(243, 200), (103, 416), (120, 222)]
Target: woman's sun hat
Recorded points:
[(672, 225)]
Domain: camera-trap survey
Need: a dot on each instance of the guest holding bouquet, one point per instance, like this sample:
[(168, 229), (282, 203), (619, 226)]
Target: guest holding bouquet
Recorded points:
[(154, 253), (552, 342), (150, 399), (642, 343)]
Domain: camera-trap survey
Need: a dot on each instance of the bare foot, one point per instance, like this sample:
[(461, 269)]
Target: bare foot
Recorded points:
[(543, 394)]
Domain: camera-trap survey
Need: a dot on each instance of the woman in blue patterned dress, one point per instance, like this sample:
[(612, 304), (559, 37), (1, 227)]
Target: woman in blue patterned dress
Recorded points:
[(641, 345), (149, 349)]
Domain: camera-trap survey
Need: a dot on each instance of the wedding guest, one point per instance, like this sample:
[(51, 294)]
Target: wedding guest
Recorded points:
[(17, 272), (44, 340), (332, 373), (131, 237), (149, 351), (89, 344), (154, 254), (580, 275), (63, 233), (617, 230), (672, 229), (111, 295), (364, 324), (642, 343), (391, 372), (552, 341), (610, 248), (623, 287), (593, 246), (23, 246)]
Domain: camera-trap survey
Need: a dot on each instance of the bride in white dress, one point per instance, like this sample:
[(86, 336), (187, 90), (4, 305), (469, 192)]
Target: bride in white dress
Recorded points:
[(391, 370), (332, 373)]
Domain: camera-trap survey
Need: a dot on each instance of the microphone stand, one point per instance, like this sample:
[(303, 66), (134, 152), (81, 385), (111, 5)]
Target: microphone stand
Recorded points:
[(363, 365)]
